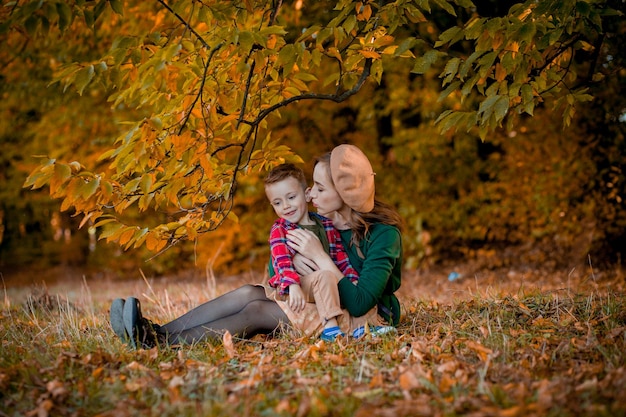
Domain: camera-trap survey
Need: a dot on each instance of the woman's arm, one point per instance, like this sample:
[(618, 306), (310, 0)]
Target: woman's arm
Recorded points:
[(308, 245), (379, 270), (303, 265)]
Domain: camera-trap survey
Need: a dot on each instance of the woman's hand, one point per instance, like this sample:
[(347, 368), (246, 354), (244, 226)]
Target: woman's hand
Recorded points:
[(303, 265), (306, 243)]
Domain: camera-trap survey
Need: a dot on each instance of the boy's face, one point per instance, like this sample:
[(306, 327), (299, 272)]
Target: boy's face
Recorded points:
[(288, 199)]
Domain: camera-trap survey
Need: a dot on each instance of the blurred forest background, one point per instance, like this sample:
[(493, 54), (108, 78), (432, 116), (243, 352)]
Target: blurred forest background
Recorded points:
[(535, 193)]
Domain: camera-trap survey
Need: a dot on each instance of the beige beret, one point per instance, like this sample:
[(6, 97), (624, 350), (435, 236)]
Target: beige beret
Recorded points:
[(353, 177)]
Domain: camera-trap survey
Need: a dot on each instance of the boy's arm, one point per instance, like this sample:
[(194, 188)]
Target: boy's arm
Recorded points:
[(282, 260)]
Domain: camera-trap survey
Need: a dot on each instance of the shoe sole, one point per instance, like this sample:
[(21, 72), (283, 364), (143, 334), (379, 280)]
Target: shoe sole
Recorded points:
[(116, 318), (131, 320)]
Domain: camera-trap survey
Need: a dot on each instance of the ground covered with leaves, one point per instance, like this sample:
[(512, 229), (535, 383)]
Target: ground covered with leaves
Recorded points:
[(486, 344)]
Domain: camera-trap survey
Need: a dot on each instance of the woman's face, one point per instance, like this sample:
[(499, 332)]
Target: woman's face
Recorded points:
[(323, 195)]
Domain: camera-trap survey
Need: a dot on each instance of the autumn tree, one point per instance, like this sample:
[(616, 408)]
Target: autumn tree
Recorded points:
[(198, 88)]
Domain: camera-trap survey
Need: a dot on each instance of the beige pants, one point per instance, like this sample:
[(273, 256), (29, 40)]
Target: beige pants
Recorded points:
[(320, 289)]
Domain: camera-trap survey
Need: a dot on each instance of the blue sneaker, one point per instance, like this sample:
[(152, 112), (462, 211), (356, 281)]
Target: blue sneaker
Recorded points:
[(116, 318), (331, 334), (358, 332)]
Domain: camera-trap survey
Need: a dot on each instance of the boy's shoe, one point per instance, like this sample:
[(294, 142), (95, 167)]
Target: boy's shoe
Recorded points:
[(141, 332), (331, 334), (116, 318), (358, 332)]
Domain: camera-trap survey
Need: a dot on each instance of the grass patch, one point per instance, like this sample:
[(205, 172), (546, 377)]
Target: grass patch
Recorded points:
[(552, 354)]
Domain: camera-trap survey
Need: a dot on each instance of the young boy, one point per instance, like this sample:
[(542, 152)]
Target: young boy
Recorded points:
[(286, 190)]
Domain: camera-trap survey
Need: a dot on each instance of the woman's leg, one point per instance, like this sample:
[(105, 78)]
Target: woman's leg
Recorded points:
[(244, 312), (223, 306), (258, 316)]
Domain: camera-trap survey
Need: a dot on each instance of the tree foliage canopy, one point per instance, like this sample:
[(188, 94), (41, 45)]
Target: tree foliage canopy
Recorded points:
[(196, 88)]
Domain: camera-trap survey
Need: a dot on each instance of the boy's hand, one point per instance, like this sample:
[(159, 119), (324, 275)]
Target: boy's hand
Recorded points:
[(297, 300)]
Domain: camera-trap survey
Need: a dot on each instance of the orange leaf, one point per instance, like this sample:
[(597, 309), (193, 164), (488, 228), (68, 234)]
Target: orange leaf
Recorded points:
[(370, 54), (408, 381), (376, 381), (97, 372), (126, 236), (482, 351)]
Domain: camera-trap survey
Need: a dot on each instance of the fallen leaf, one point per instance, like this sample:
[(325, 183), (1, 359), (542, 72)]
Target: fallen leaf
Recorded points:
[(136, 366), (482, 351), (446, 383), (229, 346), (448, 367), (376, 381), (590, 384), (368, 393), (97, 372), (408, 381), (56, 389)]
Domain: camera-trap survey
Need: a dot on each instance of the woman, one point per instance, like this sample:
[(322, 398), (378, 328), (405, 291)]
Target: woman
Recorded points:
[(343, 191)]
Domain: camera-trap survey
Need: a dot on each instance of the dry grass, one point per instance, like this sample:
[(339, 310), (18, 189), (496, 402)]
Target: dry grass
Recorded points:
[(503, 344)]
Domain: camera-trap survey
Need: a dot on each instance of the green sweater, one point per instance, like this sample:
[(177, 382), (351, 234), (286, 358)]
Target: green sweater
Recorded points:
[(380, 273)]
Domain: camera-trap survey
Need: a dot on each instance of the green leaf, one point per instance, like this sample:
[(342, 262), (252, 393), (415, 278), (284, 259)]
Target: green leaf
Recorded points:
[(445, 6), (31, 25), (450, 70), (452, 87), (449, 36), (527, 32), (486, 108), (405, 45), (527, 94), (469, 85), (423, 63), (308, 32), (83, 78), (501, 107), (117, 6), (89, 188), (65, 15)]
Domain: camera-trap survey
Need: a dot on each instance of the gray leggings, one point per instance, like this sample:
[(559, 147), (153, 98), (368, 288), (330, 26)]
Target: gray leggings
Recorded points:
[(244, 312)]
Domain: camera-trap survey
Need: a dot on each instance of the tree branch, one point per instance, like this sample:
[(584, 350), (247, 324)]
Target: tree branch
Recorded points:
[(337, 98), (204, 77), (184, 22)]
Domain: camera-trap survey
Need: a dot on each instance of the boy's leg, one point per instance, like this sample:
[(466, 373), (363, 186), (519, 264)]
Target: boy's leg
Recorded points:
[(357, 325), (321, 288)]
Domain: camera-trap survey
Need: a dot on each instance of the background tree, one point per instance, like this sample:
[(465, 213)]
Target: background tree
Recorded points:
[(207, 95)]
